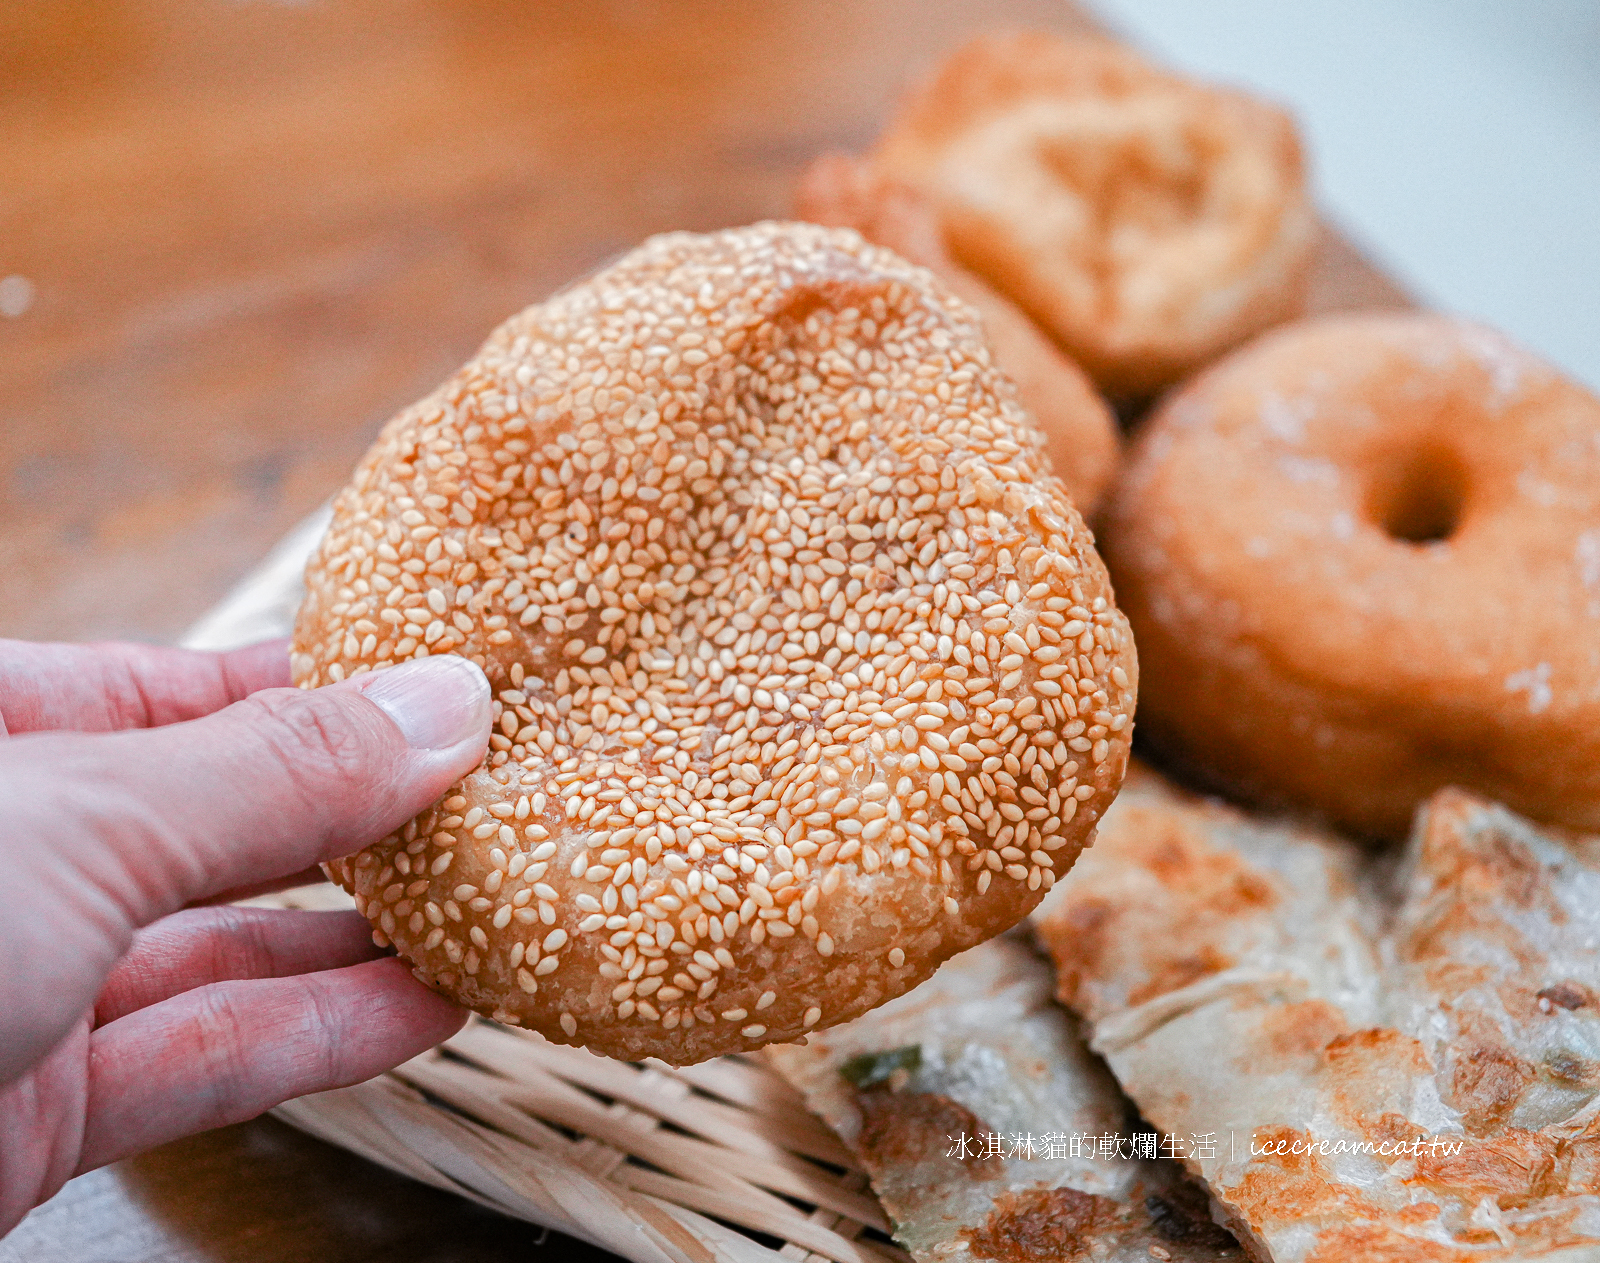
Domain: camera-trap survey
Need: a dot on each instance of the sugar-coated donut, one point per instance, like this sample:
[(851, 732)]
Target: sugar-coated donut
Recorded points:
[(1080, 434), (1362, 561), (1147, 222), (807, 674)]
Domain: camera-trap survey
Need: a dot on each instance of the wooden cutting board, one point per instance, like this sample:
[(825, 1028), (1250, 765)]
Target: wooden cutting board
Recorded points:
[(254, 229)]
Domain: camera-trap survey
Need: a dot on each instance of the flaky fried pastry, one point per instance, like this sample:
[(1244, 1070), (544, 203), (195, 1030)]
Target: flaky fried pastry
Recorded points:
[(1362, 1064), (982, 1053), (1146, 221)]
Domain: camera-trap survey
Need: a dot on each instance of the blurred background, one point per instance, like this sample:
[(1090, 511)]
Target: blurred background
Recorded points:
[(237, 235), (1457, 140)]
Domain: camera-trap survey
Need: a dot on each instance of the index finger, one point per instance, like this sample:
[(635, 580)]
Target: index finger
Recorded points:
[(111, 686)]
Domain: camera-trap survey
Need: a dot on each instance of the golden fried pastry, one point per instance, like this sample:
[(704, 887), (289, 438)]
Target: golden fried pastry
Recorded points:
[(807, 674), (1362, 558), (1080, 434), (1146, 221), (976, 1108), (1361, 1066)]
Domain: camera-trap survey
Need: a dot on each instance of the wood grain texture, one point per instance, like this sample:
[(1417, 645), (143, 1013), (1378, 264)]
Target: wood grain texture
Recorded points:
[(265, 1193), (257, 228)]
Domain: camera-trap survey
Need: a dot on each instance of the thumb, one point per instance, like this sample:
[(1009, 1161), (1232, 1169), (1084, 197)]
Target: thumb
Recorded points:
[(270, 785)]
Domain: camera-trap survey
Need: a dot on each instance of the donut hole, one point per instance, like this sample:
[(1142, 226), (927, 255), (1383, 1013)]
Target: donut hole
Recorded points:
[(1420, 497)]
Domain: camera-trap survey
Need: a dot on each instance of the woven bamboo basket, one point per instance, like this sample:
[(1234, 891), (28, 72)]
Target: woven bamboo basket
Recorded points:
[(657, 1163)]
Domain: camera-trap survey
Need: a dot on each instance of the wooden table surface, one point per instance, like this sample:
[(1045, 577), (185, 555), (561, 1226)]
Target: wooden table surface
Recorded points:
[(253, 229)]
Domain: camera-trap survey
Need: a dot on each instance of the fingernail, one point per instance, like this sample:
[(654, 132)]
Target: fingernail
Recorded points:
[(435, 702)]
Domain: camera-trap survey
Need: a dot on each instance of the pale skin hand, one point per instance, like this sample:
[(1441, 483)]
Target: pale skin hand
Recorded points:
[(138, 782)]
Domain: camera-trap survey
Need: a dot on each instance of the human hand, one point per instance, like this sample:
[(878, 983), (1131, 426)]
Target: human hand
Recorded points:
[(138, 781)]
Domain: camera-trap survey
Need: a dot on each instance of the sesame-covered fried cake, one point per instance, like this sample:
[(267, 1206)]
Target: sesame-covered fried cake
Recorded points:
[(1394, 1065), (807, 674)]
